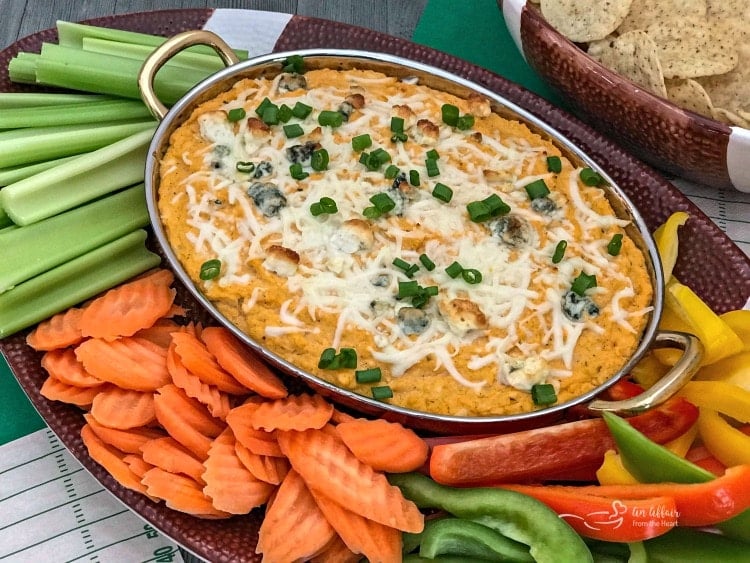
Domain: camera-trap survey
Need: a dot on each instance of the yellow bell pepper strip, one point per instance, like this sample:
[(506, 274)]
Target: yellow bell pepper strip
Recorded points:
[(613, 472), (650, 369), (697, 504), (667, 241), (603, 517), (651, 463), (739, 322), (728, 444), (720, 396), (719, 341), (734, 369)]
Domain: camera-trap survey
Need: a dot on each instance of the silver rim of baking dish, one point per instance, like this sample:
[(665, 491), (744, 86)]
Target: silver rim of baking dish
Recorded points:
[(404, 68)]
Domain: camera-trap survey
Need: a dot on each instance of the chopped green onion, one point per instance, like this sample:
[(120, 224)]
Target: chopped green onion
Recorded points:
[(372, 375), (266, 103), (414, 177), (294, 63), (382, 392), (465, 122), (432, 167), (316, 209), (285, 113), (236, 114), (371, 212), (615, 245), (296, 171), (383, 202), (454, 270), (442, 192), (301, 111), (432, 154), (413, 269), (471, 276), (582, 283), (537, 189), (478, 211), (391, 172), (431, 290), (330, 118), (327, 358), (554, 164), (210, 269), (293, 130), (397, 124), (270, 115), (399, 137), (450, 114), (381, 155), (590, 178), (401, 264), (328, 204), (543, 394), (319, 160), (361, 142), (496, 205), (245, 166), (348, 358), (559, 251), (426, 262), (407, 289)]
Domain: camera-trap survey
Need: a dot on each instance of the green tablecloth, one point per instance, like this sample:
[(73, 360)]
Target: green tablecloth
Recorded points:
[(473, 30)]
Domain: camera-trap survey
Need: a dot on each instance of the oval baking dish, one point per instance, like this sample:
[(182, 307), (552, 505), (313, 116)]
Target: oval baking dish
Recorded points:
[(410, 320)]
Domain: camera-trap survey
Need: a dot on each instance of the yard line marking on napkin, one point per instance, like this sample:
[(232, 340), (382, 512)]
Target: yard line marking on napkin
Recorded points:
[(49, 504)]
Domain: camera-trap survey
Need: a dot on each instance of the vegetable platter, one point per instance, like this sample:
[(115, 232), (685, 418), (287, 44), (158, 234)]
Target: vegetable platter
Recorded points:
[(708, 262)]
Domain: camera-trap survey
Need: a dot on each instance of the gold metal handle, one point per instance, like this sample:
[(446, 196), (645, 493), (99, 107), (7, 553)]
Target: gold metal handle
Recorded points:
[(169, 49), (669, 384)]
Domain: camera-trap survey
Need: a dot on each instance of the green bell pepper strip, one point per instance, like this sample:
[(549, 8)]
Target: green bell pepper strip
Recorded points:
[(414, 558), (650, 462), (688, 544), (514, 515), (456, 536)]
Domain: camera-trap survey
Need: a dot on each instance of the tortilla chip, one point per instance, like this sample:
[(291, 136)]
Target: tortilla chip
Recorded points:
[(693, 47), (738, 10), (632, 55), (731, 90), (721, 114), (645, 12), (585, 20), (690, 95)]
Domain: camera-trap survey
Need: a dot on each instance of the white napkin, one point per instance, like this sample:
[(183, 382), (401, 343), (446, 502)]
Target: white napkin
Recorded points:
[(52, 509)]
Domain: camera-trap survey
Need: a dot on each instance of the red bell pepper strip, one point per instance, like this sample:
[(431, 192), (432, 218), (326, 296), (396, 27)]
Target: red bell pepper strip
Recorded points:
[(551, 452), (698, 504), (604, 518), (701, 457)]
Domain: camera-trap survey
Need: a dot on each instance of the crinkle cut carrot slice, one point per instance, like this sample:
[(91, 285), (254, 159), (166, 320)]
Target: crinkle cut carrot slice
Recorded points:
[(123, 408), (231, 487), (328, 467), (383, 445), (257, 441), (180, 421), (59, 331), (128, 441), (111, 459), (295, 412), (180, 493), (168, 454), (294, 528), (244, 364), (55, 390), (137, 464), (130, 363), (200, 362), (160, 333), (63, 365), (377, 542), (265, 467), (193, 412), (336, 552), (126, 309), (216, 402)]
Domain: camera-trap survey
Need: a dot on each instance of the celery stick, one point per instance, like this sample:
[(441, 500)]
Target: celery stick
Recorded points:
[(16, 173), (78, 181), (33, 249), (9, 228), (120, 80), (185, 59), (4, 219), (75, 281), (71, 114), (25, 146), (35, 99), (22, 71), (72, 34)]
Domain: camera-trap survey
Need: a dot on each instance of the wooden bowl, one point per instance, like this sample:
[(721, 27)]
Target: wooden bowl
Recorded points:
[(655, 130)]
